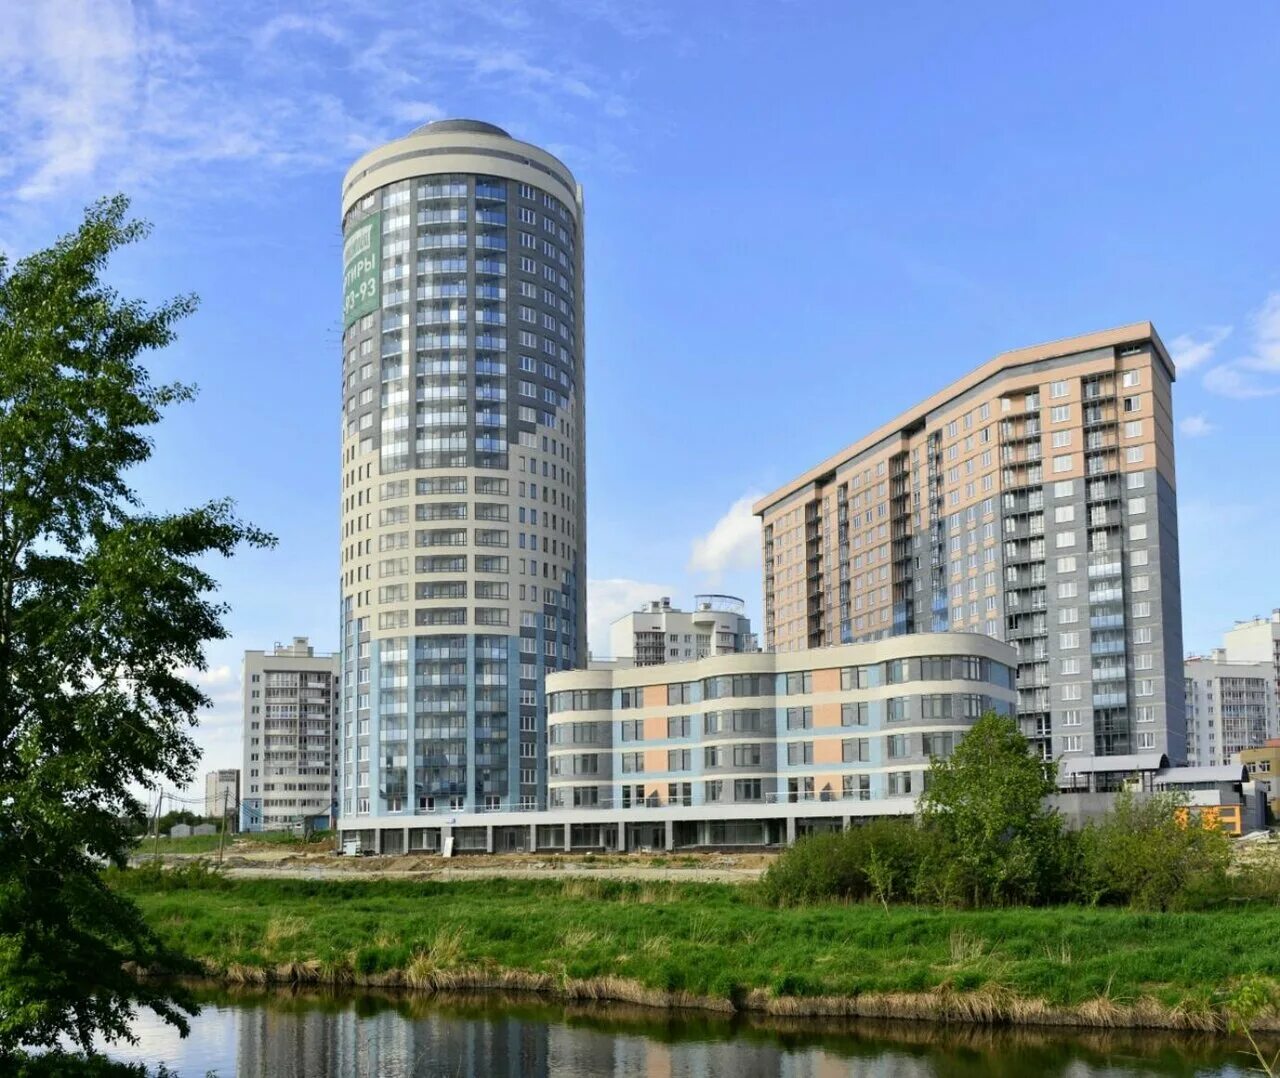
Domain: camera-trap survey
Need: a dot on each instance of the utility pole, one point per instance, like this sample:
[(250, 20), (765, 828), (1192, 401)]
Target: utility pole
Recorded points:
[(222, 835), (159, 802)]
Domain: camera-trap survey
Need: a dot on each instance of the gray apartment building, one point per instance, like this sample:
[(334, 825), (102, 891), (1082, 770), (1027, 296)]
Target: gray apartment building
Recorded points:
[(1033, 500), (463, 524), (290, 723)]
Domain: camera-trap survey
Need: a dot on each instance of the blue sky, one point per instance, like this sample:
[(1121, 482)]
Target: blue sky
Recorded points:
[(874, 197)]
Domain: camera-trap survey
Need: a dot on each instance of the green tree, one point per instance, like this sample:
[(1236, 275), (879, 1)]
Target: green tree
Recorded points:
[(987, 802), (1151, 853), (101, 605)]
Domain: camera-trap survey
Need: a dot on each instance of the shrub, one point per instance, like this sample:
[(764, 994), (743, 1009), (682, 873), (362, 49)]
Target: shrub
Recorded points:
[(1143, 855), (884, 860)]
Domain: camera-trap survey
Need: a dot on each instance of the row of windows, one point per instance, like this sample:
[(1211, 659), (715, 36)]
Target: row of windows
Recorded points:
[(927, 707)]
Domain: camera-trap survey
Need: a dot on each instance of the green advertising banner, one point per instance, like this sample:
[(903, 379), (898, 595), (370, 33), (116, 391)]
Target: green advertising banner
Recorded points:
[(362, 269)]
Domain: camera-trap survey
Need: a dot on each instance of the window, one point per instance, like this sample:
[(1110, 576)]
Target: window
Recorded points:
[(899, 783), (679, 726), (1129, 379), (1064, 488), (1057, 389), (679, 759), (1134, 454), (1071, 718), (855, 750), (1071, 692), (1137, 506), (1064, 514), (939, 745), (1061, 439), (746, 755), (801, 682), (1142, 610), (897, 746), (800, 752), (1072, 743), (856, 787), (854, 714), (748, 790), (1062, 464), (799, 718), (1137, 532), (681, 693), (1133, 429), (1060, 413)]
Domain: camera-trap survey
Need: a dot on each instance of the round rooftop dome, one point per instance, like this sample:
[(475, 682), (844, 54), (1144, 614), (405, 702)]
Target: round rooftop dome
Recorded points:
[(471, 127)]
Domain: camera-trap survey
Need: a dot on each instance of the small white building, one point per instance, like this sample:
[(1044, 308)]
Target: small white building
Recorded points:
[(660, 633)]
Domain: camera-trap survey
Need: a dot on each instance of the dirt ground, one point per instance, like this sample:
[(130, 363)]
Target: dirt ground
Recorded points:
[(248, 860)]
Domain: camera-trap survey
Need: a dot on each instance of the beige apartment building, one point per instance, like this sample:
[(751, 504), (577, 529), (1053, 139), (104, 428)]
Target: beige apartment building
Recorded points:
[(463, 527), (855, 724), (1033, 501), (289, 736)]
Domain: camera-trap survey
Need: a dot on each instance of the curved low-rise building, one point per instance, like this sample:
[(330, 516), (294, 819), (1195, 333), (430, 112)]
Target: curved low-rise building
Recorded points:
[(856, 723)]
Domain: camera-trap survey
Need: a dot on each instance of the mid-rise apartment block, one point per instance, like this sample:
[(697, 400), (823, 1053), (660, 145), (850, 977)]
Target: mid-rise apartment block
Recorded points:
[(290, 730), (463, 526), (856, 724), (1033, 501), (222, 793), (1256, 641), (1231, 706), (661, 633)]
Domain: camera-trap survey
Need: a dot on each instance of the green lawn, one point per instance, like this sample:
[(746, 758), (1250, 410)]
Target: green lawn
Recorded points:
[(716, 940), (209, 843)]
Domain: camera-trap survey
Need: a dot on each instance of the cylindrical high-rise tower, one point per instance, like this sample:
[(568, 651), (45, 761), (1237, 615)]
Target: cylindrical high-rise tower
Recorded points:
[(463, 474)]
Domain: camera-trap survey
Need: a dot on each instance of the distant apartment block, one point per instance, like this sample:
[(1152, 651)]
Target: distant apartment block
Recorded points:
[(290, 729), (854, 724), (1231, 706), (222, 793), (1257, 641), (661, 633), (1033, 501)]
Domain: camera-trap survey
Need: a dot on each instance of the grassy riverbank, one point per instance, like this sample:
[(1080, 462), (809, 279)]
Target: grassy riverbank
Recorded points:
[(717, 945)]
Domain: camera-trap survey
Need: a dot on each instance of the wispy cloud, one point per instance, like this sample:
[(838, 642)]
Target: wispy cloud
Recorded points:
[(101, 94), (608, 599), (1190, 350), (732, 543), (1195, 426), (1257, 373)]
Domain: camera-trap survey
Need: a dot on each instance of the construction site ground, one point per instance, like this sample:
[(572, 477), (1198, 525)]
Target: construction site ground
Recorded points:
[(249, 859)]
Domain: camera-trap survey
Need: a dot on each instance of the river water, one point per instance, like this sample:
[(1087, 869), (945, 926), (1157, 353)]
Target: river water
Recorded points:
[(367, 1035)]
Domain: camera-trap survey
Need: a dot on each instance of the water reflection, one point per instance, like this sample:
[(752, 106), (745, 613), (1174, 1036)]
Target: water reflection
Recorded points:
[(370, 1035)]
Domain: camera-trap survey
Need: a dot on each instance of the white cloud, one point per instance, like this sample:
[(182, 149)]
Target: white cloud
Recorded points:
[(189, 99), (1190, 351), (1257, 373), (1195, 426), (732, 543), (295, 24), (416, 113), (607, 600)]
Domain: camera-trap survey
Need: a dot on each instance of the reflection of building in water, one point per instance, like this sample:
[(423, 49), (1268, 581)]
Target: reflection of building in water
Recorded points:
[(318, 1043), (311, 1042)]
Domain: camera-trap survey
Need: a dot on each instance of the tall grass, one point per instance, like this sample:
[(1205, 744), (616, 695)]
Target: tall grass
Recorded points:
[(708, 940)]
